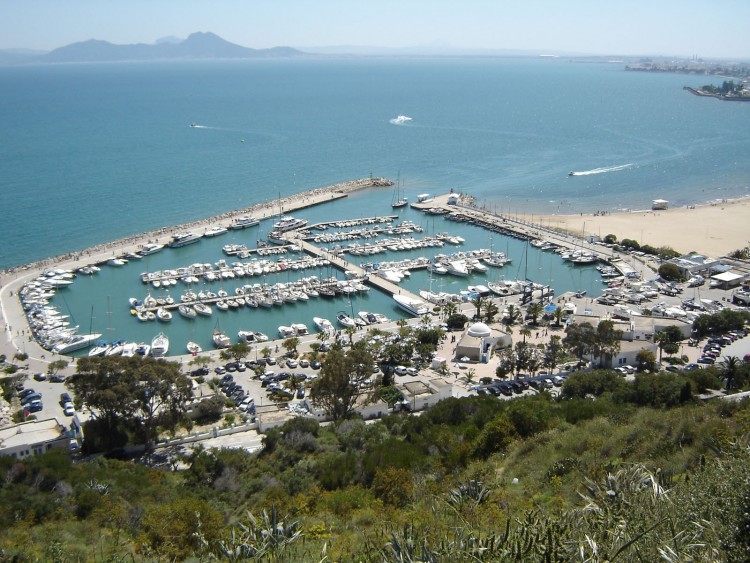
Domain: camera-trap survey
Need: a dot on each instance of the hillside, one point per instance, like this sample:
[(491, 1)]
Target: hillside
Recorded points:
[(196, 46)]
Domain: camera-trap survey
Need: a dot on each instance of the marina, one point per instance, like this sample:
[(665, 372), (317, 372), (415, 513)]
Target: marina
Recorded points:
[(261, 286)]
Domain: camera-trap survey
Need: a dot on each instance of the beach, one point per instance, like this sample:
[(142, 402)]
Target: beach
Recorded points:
[(714, 229)]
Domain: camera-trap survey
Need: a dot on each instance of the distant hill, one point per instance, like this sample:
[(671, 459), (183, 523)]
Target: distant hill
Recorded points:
[(196, 46)]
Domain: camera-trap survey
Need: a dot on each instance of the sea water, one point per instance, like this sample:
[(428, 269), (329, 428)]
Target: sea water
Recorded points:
[(96, 152), (93, 152)]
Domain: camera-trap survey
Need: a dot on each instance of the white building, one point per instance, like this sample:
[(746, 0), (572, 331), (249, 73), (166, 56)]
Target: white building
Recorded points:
[(34, 437)]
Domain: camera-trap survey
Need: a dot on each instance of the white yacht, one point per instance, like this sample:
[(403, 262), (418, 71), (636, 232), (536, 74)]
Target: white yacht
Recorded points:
[(183, 239), (221, 340), (150, 248), (286, 332), (202, 309), (345, 320), (76, 342), (300, 329), (164, 315), (288, 223), (187, 311), (194, 348), (244, 222), (415, 307), (323, 325), (457, 268), (215, 231), (159, 345)]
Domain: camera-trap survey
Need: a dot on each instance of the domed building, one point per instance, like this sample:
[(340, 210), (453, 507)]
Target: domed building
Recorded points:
[(478, 342)]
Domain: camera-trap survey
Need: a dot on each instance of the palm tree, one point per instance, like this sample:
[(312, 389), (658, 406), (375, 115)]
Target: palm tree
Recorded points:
[(661, 338), (478, 302), (730, 368), (450, 308), (350, 332), (534, 310), (512, 316), (490, 310), (558, 315), (525, 331)]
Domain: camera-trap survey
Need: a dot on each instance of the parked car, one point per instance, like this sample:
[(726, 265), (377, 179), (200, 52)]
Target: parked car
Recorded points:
[(26, 392), (557, 381), (706, 360), (65, 398), (30, 398), (400, 370), (304, 363), (300, 392), (271, 361), (241, 367), (69, 410), (315, 364), (291, 363), (219, 370), (57, 378), (34, 406), (200, 371), (39, 376)]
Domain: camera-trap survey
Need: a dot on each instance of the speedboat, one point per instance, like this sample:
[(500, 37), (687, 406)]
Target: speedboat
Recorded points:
[(194, 348), (129, 349), (143, 349), (247, 336), (346, 320), (99, 349), (115, 349), (416, 307), (368, 318), (159, 345), (323, 325), (299, 329)]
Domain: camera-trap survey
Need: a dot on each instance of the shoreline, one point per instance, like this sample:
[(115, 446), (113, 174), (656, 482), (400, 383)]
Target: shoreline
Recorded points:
[(300, 200), (714, 228)]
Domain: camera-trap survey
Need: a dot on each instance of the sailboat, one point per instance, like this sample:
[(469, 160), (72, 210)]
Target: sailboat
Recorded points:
[(398, 198)]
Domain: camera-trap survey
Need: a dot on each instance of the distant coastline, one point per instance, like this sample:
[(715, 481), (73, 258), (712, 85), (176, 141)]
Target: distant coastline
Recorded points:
[(723, 97)]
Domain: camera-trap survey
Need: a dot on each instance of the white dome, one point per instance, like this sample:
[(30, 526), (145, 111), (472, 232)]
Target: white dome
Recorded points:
[(479, 330)]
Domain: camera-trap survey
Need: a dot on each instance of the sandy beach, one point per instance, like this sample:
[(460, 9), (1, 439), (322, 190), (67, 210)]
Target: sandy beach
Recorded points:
[(713, 230)]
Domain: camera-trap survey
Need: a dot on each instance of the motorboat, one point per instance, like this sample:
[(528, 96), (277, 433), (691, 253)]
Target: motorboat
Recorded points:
[(286, 332), (150, 248), (368, 318), (220, 339), (300, 329), (142, 349), (99, 348), (215, 231), (163, 315), (413, 306), (457, 268), (345, 320), (244, 222), (159, 345), (324, 325), (183, 239), (247, 336), (129, 349), (115, 349), (194, 348), (400, 120), (289, 223), (116, 262)]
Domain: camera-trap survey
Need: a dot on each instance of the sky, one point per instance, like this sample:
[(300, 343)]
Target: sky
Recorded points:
[(706, 28)]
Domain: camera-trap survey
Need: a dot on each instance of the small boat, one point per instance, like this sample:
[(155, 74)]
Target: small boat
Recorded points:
[(345, 320), (194, 348), (220, 339), (222, 305), (187, 311), (163, 315), (324, 325), (215, 231), (129, 349), (142, 349), (247, 336), (299, 329), (286, 332), (99, 348), (150, 248), (159, 345), (369, 318), (202, 309)]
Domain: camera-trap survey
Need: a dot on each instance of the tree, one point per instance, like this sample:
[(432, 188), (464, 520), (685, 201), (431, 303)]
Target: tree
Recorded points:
[(266, 352), (525, 331), (478, 302), (646, 360), (143, 394), (56, 366), (512, 315), (457, 321), (337, 389), (730, 369), (490, 310), (290, 345), (350, 331), (610, 239), (236, 352), (670, 272), (553, 352), (579, 339), (450, 308), (534, 310), (200, 361), (558, 315), (668, 339), (607, 342)]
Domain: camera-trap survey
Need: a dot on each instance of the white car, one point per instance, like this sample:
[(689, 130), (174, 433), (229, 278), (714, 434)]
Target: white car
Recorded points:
[(291, 363), (69, 410), (304, 363), (400, 370)]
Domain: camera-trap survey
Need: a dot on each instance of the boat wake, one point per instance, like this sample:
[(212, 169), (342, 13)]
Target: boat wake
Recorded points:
[(196, 126), (400, 120), (601, 170)]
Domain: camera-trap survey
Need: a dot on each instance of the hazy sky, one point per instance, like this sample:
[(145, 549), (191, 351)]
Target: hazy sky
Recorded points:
[(708, 28)]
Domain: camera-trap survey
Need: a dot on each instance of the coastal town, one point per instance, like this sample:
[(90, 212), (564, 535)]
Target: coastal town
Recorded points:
[(474, 356)]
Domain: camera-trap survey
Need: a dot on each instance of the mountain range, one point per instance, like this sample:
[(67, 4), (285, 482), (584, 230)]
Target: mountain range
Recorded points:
[(196, 46)]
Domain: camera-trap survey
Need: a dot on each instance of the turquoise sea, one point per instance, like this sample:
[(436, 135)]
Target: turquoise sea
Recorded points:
[(95, 152)]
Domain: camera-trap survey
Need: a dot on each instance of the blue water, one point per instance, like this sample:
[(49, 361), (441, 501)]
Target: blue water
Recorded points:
[(99, 151), (95, 152)]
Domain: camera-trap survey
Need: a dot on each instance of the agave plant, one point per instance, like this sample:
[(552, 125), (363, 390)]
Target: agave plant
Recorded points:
[(266, 537)]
